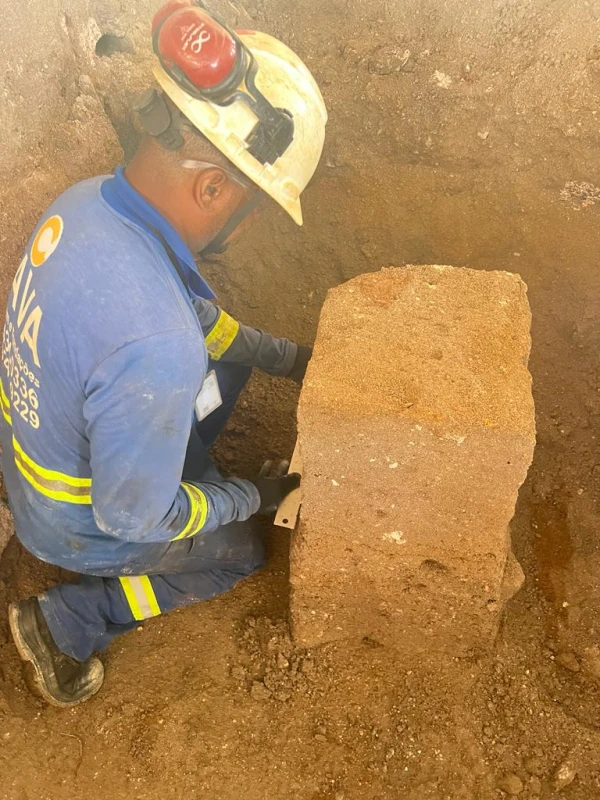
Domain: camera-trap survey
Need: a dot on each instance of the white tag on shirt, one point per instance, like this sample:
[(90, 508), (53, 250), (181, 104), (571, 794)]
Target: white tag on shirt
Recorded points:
[(209, 397)]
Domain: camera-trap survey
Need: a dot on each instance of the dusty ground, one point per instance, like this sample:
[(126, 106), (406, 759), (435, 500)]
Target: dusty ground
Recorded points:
[(461, 133)]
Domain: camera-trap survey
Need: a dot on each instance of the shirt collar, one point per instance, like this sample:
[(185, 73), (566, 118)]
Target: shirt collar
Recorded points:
[(128, 202)]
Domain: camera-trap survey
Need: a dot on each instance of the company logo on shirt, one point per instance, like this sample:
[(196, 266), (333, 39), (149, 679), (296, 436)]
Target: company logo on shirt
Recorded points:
[(46, 240)]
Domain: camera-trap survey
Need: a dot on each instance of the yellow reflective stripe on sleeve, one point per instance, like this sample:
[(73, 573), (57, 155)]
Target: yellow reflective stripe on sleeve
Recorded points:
[(198, 511), (140, 597), (221, 336)]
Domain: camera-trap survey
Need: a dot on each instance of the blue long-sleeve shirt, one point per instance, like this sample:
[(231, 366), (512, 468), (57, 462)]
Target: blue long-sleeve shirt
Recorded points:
[(104, 353)]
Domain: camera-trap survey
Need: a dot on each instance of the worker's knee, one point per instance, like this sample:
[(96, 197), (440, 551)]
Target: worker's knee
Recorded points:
[(222, 577), (238, 547)]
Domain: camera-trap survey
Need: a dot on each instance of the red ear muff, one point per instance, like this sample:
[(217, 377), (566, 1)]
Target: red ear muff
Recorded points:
[(204, 56), (210, 62)]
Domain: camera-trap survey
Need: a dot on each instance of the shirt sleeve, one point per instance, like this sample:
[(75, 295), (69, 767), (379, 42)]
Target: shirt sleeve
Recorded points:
[(227, 340), (138, 411)]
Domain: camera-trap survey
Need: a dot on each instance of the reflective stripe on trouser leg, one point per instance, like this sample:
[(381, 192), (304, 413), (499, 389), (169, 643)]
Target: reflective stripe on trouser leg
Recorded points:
[(140, 597), (86, 616)]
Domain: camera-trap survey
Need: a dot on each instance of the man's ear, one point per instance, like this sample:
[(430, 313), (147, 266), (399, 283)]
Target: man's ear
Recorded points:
[(209, 188)]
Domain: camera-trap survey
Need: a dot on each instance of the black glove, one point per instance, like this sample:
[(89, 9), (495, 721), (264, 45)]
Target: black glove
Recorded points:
[(273, 484), (298, 371)]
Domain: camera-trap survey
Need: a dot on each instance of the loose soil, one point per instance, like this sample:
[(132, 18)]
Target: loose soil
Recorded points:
[(460, 133)]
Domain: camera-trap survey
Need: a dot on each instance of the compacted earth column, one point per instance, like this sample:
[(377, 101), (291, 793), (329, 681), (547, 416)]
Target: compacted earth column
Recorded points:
[(416, 430)]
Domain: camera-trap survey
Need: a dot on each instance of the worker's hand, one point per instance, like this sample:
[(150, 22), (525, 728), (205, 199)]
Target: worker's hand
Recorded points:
[(273, 484), (298, 371)]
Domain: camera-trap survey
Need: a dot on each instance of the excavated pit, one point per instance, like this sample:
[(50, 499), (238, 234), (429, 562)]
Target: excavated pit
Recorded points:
[(460, 132)]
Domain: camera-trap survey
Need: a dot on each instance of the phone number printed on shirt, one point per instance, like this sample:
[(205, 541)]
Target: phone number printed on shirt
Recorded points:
[(22, 381)]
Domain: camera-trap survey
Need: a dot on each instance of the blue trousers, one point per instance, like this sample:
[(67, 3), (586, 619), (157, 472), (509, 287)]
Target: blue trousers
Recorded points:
[(86, 616)]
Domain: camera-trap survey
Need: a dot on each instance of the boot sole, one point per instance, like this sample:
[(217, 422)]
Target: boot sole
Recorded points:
[(27, 654)]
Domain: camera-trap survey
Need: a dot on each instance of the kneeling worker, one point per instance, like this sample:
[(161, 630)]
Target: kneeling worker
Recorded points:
[(118, 371)]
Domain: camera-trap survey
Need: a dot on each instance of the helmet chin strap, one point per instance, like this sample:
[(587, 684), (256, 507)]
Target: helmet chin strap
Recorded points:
[(219, 243)]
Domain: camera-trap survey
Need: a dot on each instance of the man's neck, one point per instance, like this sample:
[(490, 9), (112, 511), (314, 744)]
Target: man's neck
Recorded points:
[(157, 191)]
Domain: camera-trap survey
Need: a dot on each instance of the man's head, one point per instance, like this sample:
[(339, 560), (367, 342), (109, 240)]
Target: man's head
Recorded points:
[(253, 113), (195, 186)]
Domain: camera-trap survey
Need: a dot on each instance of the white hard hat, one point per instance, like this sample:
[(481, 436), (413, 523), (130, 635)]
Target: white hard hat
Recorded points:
[(198, 55)]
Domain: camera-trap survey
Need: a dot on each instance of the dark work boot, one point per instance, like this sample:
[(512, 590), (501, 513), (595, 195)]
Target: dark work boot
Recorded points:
[(60, 679)]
